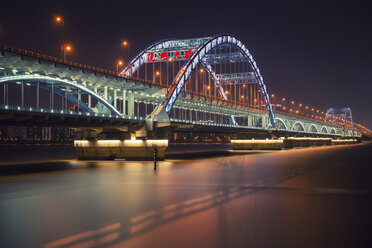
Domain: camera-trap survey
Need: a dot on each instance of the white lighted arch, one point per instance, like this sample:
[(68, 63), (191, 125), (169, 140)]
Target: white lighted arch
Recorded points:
[(324, 128), (297, 123), (281, 121), (312, 126), (29, 77)]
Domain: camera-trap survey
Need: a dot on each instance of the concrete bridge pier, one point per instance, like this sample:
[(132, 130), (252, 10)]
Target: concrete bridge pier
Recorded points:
[(260, 144), (290, 142), (137, 142), (135, 149)]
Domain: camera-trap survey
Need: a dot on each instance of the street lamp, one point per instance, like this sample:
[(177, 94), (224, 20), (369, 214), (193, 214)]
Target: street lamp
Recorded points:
[(119, 64), (126, 45), (59, 21), (66, 49)]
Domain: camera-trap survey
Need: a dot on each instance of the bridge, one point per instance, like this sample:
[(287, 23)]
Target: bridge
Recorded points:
[(203, 85)]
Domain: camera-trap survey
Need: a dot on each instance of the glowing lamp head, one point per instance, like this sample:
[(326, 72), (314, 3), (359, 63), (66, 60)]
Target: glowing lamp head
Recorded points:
[(157, 73), (120, 62), (58, 19), (201, 70), (68, 48), (125, 43)]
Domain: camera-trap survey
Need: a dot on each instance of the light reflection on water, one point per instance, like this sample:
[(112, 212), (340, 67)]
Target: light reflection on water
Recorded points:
[(104, 203)]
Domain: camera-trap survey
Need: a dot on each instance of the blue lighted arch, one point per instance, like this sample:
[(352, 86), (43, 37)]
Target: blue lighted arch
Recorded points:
[(35, 77)]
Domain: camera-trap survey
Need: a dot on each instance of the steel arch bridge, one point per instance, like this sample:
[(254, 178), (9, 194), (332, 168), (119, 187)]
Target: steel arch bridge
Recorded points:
[(215, 84), (208, 51)]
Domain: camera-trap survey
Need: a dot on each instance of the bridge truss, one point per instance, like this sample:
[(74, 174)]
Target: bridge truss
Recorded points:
[(220, 67)]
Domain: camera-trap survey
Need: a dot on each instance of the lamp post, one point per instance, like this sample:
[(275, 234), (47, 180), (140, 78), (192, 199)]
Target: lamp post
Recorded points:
[(119, 64), (60, 21), (125, 44), (66, 49)]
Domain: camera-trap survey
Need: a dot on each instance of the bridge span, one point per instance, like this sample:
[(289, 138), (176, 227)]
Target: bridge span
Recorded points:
[(202, 85)]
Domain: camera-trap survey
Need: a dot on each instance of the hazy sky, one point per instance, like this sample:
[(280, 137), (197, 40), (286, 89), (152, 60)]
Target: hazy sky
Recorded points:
[(317, 53)]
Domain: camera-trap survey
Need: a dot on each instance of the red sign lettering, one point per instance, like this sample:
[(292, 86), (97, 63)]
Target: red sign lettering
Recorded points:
[(163, 56), (188, 54), (177, 55), (150, 57)]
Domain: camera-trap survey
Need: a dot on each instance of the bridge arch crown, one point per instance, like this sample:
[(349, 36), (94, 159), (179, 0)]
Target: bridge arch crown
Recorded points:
[(32, 78), (280, 124), (204, 46), (313, 129), (298, 126), (324, 129)]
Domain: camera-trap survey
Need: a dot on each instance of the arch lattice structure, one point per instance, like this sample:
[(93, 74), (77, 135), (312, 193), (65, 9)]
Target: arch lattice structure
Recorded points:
[(324, 130), (280, 124), (313, 129), (342, 116), (298, 126), (223, 49), (58, 86)]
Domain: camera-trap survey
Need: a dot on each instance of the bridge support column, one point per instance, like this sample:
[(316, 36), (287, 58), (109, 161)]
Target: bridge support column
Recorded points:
[(95, 88), (250, 121), (115, 97), (129, 149), (89, 101), (264, 121), (105, 93), (131, 103), (124, 102)]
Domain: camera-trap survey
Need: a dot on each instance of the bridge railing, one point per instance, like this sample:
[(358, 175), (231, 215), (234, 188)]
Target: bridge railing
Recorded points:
[(67, 62), (67, 112)]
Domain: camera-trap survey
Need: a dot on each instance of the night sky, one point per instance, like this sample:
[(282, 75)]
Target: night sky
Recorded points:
[(316, 53)]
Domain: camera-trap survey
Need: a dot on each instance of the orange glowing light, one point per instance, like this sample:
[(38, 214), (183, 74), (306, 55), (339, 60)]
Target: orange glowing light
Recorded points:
[(125, 43), (120, 62), (157, 73), (58, 19), (244, 85), (272, 95), (292, 102), (283, 99), (201, 70), (68, 48)]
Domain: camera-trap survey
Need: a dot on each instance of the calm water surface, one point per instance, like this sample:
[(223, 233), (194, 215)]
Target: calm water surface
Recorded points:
[(314, 197)]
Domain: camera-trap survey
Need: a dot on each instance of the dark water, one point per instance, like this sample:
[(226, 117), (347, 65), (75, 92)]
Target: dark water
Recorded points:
[(314, 197)]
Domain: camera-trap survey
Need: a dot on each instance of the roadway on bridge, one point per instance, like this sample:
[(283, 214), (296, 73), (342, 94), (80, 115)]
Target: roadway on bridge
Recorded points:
[(313, 197)]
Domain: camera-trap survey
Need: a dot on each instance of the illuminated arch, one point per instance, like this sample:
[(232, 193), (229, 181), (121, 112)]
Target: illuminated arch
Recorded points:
[(297, 123), (281, 122), (324, 130), (184, 73), (312, 127), (65, 82)]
